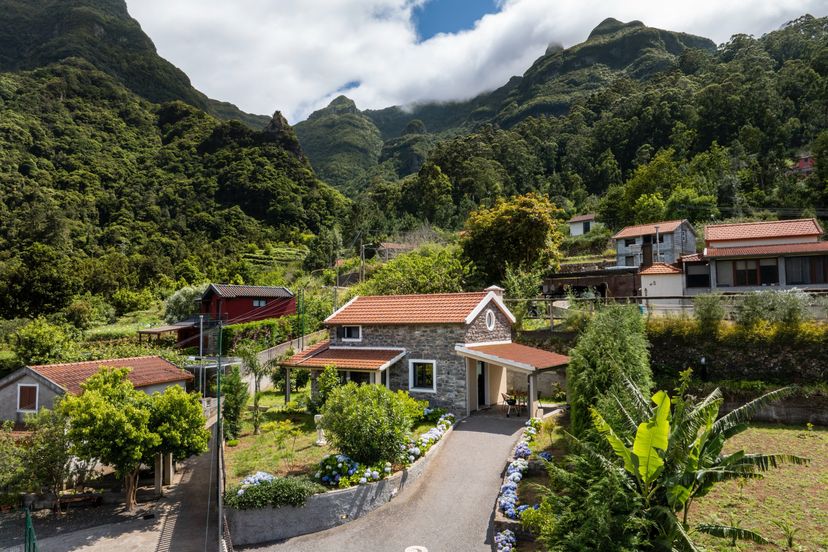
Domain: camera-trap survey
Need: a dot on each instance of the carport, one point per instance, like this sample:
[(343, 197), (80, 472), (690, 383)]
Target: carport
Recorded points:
[(488, 364)]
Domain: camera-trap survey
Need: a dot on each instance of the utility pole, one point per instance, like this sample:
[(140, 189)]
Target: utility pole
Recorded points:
[(218, 444), (362, 262), (658, 247), (201, 378)]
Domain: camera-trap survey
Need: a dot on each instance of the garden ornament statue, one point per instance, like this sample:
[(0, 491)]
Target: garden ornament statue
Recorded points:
[(320, 433)]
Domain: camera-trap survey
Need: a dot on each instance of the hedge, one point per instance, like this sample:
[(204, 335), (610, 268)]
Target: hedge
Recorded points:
[(282, 491), (772, 353), (265, 333)]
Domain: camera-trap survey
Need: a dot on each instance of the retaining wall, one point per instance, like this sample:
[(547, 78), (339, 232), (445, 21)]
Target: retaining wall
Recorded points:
[(325, 510)]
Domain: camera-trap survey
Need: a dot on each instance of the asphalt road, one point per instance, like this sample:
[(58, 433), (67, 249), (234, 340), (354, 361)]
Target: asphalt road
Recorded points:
[(449, 509)]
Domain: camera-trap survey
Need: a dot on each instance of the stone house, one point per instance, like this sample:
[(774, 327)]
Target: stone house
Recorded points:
[(31, 388), (646, 244), (454, 350)]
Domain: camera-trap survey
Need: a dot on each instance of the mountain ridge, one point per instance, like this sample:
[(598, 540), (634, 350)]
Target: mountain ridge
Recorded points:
[(36, 33)]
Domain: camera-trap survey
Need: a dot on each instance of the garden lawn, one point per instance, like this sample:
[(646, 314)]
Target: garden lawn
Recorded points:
[(797, 495), (276, 399), (260, 453)]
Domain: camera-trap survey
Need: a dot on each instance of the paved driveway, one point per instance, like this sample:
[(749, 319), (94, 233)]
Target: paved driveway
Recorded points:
[(449, 509)]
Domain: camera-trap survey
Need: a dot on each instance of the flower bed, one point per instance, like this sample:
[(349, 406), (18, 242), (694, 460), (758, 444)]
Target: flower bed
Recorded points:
[(505, 541), (338, 505), (340, 471), (508, 502)]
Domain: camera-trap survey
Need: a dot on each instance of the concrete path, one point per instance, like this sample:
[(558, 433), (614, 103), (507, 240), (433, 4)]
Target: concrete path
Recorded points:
[(449, 509), (181, 522)]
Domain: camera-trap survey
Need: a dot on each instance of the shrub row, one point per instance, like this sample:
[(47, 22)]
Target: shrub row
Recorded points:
[(770, 352), (275, 492), (265, 333)]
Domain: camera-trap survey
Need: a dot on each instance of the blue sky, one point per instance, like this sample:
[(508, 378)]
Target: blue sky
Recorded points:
[(450, 16)]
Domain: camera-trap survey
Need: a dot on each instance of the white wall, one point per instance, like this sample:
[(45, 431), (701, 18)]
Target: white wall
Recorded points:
[(576, 228)]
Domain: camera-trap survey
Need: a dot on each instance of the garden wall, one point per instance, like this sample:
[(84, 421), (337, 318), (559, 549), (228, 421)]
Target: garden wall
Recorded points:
[(325, 510)]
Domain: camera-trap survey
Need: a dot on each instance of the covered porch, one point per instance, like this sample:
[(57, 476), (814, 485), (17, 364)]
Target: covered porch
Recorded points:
[(357, 364), (488, 367)]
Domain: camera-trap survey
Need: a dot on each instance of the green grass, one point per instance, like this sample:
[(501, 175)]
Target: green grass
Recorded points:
[(796, 494), (259, 452), (128, 324)]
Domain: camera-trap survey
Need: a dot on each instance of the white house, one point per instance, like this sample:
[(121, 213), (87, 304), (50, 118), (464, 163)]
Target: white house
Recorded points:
[(582, 224)]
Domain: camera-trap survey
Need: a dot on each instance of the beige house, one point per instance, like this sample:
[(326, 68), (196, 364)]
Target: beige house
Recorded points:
[(31, 388), (454, 350)]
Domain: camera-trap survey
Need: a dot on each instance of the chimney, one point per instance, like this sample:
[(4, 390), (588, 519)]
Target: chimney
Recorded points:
[(497, 290)]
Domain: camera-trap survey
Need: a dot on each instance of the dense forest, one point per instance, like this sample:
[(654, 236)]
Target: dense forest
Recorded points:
[(635, 123)]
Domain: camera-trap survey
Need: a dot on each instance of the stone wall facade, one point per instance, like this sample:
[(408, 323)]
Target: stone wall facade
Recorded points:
[(433, 342)]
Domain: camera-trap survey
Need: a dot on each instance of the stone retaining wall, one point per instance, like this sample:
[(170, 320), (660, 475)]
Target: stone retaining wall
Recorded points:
[(325, 510)]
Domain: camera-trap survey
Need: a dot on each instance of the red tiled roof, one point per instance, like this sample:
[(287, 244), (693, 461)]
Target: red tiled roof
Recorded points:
[(582, 218), (437, 308), (692, 258), (647, 229), (537, 358), (356, 358), (146, 371), (758, 250), (660, 268), (760, 230)]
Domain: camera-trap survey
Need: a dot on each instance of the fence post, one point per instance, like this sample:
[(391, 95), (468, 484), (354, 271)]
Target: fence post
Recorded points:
[(30, 540)]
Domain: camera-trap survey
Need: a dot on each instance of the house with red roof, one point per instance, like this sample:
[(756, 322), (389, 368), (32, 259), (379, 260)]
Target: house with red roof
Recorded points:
[(747, 256), (31, 388), (454, 350), (659, 242)]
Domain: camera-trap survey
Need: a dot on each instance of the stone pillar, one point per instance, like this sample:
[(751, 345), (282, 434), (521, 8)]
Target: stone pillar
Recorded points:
[(783, 275), (287, 385), (532, 395), (159, 470), (314, 377), (168, 468)]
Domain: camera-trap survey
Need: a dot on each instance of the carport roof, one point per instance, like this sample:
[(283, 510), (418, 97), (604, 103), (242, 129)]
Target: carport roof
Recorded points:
[(513, 355)]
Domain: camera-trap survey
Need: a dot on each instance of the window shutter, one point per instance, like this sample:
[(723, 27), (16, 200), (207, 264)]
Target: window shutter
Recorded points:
[(28, 397)]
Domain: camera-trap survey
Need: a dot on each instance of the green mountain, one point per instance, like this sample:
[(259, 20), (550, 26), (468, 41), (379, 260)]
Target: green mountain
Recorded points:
[(343, 151), (105, 192), (638, 124), (35, 33)]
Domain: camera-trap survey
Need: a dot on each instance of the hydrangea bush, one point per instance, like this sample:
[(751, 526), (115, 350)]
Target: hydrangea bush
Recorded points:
[(341, 471), (505, 541), (263, 489)]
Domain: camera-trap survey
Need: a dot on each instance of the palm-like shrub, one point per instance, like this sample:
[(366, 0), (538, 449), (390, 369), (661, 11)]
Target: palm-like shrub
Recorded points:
[(671, 456)]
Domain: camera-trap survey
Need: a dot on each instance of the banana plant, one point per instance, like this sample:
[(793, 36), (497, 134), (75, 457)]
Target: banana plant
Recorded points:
[(673, 456)]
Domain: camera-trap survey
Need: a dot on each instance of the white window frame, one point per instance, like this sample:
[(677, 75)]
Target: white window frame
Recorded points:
[(259, 302), (351, 339), (490, 317), (411, 363), (37, 396)]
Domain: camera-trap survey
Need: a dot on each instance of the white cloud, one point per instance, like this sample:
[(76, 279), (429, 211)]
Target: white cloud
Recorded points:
[(294, 55)]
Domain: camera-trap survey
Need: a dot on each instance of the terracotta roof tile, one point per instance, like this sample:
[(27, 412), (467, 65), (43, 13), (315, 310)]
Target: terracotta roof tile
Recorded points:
[(438, 308), (760, 230), (758, 250), (356, 358), (515, 352), (146, 371), (692, 258), (647, 229), (582, 218), (660, 268)]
